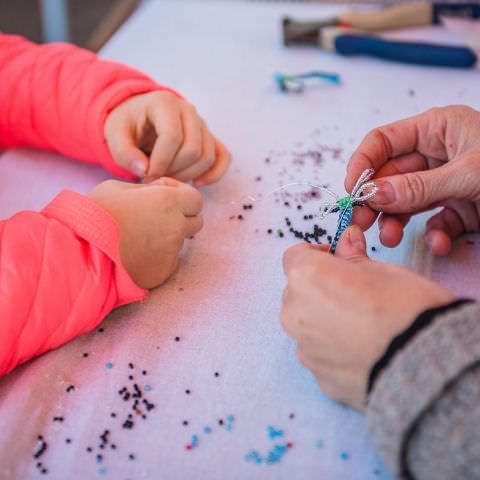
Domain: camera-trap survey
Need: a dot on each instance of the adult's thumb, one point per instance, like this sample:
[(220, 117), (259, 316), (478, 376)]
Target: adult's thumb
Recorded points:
[(414, 191), (352, 244)]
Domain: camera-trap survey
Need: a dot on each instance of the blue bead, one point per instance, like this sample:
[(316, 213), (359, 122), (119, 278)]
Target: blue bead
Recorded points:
[(344, 456), (273, 432)]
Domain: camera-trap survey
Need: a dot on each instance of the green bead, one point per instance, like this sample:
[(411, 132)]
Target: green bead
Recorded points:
[(344, 202)]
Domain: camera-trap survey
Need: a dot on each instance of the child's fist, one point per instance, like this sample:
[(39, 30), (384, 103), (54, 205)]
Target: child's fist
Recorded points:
[(154, 220), (158, 134)]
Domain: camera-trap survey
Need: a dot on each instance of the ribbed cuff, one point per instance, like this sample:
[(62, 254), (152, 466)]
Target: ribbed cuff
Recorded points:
[(415, 378), (95, 225), (421, 322)]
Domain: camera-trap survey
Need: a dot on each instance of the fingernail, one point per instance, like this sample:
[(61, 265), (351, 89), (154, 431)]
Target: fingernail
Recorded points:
[(385, 193), (355, 237), (138, 168)]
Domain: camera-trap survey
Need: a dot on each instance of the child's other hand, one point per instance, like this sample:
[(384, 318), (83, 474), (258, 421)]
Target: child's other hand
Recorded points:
[(154, 220), (158, 134)]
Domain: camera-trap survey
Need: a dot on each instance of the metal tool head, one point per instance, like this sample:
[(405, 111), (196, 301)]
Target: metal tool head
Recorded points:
[(304, 33)]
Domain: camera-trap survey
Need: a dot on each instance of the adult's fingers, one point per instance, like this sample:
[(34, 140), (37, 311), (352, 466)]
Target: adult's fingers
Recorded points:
[(365, 217), (219, 168), (352, 245), (422, 133), (415, 191), (392, 227), (455, 219), (296, 258)]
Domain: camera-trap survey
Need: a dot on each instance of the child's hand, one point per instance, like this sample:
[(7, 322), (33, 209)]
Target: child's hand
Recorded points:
[(154, 220), (157, 134), (426, 161)]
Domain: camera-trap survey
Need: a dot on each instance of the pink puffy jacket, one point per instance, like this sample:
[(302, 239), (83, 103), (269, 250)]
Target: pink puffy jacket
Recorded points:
[(60, 269)]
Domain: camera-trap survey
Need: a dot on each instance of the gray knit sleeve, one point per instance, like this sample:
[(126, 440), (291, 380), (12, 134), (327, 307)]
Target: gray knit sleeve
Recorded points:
[(424, 410)]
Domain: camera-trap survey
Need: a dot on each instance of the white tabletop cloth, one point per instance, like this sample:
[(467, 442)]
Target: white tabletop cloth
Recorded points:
[(224, 301)]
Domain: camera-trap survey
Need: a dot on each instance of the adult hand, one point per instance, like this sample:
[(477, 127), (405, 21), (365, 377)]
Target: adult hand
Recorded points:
[(426, 161), (344, 310)]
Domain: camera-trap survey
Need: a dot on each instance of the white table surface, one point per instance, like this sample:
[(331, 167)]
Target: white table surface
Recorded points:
[(224, 301)]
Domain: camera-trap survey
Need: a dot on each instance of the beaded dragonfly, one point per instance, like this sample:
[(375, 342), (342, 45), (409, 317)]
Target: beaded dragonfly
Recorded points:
[(363, 191)]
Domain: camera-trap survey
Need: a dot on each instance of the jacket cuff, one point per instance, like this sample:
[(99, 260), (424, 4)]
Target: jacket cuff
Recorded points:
[(421, 322), (415, 378), (94, 224)]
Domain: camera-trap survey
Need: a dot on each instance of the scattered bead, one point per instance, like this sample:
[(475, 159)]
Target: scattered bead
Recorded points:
[(194, 441), (274, 432), (109, 365)]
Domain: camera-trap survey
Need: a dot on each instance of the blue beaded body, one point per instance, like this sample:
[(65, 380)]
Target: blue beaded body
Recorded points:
[(343, 222)]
